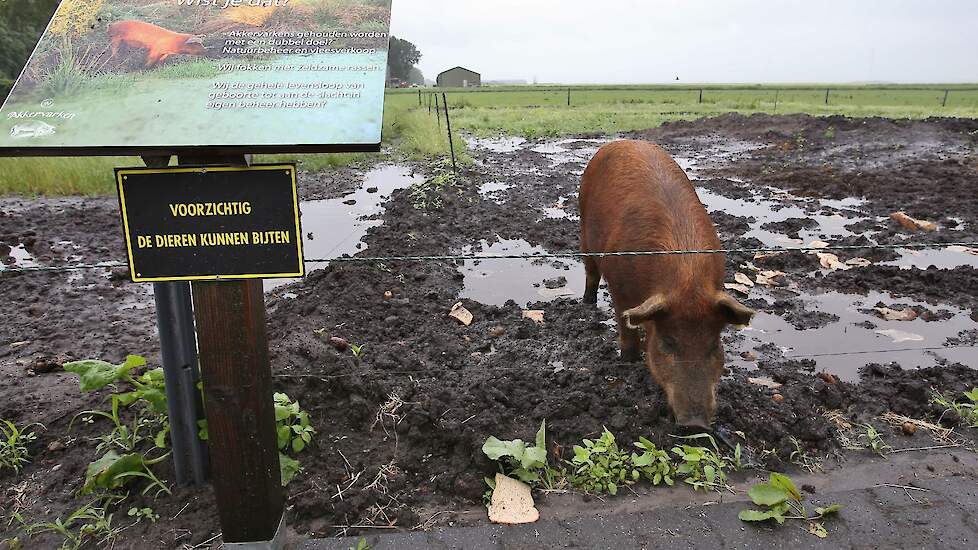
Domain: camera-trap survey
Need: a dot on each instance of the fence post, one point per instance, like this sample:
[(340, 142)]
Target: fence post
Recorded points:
[(777, 96), (437, 110), (429, 102), (568, 97), (419, 97), (701, 95), (944, 103), (240, 409), (451, 142), (827, 96)]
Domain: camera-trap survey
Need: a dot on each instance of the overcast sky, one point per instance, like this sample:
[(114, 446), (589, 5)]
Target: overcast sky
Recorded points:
[(648, 41)]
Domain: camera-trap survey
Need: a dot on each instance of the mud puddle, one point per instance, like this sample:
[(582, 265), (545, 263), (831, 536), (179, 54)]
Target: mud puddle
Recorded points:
[(848, 332), (495, 282), (336, 227)]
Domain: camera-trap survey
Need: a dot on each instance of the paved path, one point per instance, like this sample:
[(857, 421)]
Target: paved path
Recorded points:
[(874, 515)]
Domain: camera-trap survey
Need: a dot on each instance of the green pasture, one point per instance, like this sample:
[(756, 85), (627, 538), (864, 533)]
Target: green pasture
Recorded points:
[(537, 112)]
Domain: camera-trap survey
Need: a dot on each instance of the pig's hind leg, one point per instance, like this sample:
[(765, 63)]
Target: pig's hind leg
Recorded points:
[(592, 280)]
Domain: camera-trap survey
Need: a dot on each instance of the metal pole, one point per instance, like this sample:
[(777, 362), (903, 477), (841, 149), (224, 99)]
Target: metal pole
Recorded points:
[(438, 111), (419, 97), (451, 142), (701, 96), (178, 346), (178, 349), (568, 97), (944, 103), (827, 96)]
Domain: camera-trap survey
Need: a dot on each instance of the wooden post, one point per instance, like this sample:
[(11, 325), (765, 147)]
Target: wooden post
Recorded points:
[(240, 412), (827, 96), (419, 97), (944, 103), (234, 367), (701, 96), (568, 97)]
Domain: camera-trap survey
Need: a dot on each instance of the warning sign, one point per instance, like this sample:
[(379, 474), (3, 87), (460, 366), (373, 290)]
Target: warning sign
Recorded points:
[(186, 224)]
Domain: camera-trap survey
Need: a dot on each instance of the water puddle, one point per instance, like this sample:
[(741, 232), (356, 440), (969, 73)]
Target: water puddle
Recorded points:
[(493, 191), (20, 257), (497, 144), (859, 336), (523, 281), (942, 258), (335, 227)]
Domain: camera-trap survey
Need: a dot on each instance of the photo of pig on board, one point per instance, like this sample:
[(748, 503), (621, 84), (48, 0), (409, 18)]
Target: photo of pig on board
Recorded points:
[(114, 77)]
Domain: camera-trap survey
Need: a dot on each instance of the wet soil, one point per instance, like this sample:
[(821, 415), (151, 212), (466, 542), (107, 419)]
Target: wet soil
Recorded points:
[(407, 420)]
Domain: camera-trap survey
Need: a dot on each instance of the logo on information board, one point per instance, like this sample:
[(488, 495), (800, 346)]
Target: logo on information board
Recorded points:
[(213, 223)]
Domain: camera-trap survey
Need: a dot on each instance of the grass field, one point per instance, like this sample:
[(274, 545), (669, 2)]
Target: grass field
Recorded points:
[(542, 111)]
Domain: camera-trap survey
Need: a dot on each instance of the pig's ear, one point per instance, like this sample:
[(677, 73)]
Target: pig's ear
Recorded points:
[(650, 308), (734, 312)]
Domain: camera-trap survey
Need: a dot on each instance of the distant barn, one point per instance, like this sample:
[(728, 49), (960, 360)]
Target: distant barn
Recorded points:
[(459, 77)]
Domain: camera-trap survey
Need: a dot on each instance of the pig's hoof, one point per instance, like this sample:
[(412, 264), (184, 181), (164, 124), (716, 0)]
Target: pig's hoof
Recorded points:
[(589, 299)]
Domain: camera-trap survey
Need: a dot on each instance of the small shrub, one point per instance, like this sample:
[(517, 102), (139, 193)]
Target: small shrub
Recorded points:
[(600, 466)]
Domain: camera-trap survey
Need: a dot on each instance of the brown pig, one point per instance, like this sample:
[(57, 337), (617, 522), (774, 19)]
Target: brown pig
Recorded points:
[(634, 197)]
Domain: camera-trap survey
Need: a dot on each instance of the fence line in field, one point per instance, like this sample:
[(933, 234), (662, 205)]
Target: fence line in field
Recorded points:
[(537, 256), (777, 92)]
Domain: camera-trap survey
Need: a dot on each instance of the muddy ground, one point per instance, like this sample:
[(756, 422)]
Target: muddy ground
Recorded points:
[(410, 416)]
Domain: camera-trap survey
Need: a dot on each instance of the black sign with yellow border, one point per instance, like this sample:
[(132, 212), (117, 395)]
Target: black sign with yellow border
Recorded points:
[(211, 223)]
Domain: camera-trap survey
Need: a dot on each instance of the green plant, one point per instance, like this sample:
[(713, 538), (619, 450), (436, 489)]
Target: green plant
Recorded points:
[(782, 501), (701, 467), (968, 412), (361, 545), (803, 458), (113, 471), (654, 464), (141, 513), (357, 350), (870, 438), (90, 523), (522, 461), (600, 466), (13, 445), (429, 193)]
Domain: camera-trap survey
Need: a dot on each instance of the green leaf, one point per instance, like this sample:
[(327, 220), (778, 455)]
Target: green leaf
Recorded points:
[(767, 495), (496, 449), (755, 515), (282, 412), (202, 430), (542, 438), (284, 434), (110, 471), (95, 374), (160, 439), (613, 489), (784, 482), (972, 395), (534, 457), (156, 399), (288, 467), (298, 444), (833, 509)]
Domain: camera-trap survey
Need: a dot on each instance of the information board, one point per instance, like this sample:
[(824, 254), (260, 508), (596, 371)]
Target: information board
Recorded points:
[(149, 77), (192, 224)]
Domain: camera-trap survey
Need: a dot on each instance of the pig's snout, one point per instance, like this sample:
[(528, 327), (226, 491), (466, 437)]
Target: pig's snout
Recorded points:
[(698, 421)]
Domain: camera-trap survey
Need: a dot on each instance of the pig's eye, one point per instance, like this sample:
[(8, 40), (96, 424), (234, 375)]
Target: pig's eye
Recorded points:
[(669, 345)]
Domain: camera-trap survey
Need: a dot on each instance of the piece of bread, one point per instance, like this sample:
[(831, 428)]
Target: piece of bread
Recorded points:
[(512, 503)]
